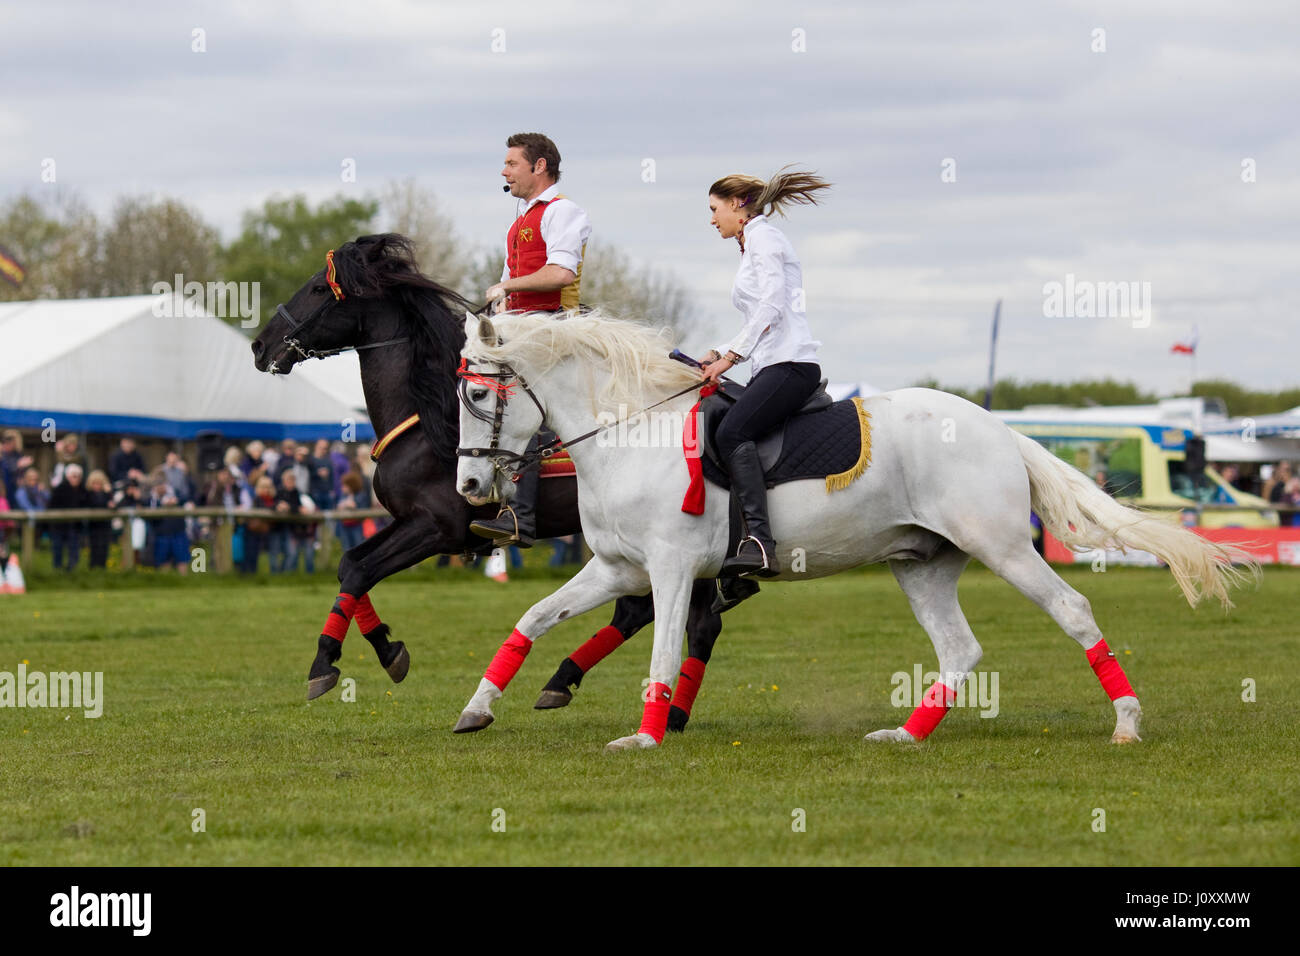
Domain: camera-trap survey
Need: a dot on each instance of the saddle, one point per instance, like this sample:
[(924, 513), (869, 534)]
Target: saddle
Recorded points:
[(820, 439)]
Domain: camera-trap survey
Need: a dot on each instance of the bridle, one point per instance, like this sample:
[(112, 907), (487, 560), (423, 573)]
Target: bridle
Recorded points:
[(503, 461), (511, 463), (296, 325)]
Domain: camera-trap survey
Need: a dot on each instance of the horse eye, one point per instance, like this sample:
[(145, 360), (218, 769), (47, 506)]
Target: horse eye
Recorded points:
[(319, 290), (478, 394)]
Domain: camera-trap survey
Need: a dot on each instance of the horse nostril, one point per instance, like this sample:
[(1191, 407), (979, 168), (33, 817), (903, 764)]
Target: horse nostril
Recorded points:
[(469, 486), (258, 349)]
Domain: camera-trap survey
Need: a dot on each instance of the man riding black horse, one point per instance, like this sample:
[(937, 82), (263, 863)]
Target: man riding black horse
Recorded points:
[(542, 273)]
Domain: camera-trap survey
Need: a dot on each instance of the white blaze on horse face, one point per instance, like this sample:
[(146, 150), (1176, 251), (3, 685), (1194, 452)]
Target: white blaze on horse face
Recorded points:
[(474, 475)]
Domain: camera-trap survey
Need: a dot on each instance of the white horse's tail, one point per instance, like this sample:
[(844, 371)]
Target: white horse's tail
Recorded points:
[(1082, 517)]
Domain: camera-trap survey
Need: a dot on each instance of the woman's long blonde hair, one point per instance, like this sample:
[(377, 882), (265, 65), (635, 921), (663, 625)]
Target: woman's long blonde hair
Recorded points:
[(795, 187)]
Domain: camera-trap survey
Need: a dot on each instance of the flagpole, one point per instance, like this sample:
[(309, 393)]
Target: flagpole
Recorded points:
[(993, 351)]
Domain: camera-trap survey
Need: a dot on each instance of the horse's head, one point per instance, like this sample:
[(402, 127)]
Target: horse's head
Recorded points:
[(499, 414), (325, 315)]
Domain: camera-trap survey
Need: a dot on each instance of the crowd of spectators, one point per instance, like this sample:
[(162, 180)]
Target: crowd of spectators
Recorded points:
[(294, 479)]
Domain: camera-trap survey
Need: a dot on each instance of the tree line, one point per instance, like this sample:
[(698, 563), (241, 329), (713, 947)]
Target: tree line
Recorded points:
[(1012, 394), (69, 252)]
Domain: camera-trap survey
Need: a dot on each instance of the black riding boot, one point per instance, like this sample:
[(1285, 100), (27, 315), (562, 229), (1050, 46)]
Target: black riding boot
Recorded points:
[(517, 522), (756, 555)]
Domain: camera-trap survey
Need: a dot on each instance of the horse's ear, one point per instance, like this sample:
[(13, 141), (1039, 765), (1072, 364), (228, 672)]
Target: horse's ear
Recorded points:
[(481, 328)]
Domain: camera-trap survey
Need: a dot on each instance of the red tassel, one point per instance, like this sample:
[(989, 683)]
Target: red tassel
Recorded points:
[(693, 503)]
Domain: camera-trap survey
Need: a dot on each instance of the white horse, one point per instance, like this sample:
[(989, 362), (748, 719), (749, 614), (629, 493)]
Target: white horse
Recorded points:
[(947, 481)]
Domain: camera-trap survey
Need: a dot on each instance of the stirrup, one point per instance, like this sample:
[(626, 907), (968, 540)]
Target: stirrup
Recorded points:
[(764, 571), (502, 535)]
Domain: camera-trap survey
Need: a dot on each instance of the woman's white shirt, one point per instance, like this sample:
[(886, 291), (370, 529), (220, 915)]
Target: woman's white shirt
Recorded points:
[(769, 292)]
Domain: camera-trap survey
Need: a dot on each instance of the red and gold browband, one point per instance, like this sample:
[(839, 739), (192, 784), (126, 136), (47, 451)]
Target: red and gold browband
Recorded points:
[(330, 276)]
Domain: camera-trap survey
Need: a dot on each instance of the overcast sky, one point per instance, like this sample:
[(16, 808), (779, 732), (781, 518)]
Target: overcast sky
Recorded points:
[(1122, 165)]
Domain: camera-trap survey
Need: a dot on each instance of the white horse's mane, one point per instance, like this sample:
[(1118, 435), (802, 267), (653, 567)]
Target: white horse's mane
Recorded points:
[(635, 355)]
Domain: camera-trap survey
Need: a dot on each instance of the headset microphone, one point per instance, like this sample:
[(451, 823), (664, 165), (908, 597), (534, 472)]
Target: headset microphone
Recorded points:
[(505, 188)]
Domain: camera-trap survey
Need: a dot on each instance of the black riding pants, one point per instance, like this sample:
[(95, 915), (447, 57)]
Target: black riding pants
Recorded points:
[(771, 396)]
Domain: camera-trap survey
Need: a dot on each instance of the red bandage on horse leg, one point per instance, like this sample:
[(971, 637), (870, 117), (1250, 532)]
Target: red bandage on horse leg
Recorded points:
[(505, 665), (654, 721), (336, 625), (1108, 671), (367, 619), (688, 684), (599, 646), (935, 704)]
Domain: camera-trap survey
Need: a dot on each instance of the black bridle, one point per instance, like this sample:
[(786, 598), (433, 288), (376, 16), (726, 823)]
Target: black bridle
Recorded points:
[(506, 462), (295, 325)]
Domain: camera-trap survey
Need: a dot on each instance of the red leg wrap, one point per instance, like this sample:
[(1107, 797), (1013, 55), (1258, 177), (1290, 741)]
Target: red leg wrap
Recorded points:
[(654, 721), (936, 703), (1108, 671), (367, 619), (688, 684), (599, 646), (505, 665), (336, 625)]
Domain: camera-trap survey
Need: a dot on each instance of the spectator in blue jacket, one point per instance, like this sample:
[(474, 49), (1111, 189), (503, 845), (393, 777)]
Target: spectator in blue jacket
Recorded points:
[(31, 494)]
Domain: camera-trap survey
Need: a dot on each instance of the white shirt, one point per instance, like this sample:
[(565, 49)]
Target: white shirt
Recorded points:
[(769, 293), (565, 229)]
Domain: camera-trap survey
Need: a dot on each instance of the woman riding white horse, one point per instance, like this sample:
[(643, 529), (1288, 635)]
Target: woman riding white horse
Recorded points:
[(947, 481), (768, 291)]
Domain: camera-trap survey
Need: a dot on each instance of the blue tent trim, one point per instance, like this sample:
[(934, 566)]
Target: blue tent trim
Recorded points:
[(179, 430)]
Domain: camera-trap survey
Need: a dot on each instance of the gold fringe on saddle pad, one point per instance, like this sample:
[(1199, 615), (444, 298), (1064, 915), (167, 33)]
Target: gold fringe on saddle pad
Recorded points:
[(846, 478)]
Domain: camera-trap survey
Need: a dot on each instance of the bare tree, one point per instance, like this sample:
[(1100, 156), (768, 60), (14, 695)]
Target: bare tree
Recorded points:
[(410, 209), (56, 238)]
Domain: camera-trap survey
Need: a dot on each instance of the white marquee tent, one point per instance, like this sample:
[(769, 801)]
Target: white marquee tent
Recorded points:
[(112, 365)]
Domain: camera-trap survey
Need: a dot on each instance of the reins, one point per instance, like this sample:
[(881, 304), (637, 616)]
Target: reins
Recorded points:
[(499, 457)]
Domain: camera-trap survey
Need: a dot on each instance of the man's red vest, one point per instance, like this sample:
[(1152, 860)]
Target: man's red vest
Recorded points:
[(525, 254)]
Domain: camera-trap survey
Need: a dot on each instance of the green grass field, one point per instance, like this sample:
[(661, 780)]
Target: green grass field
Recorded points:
[(204, 708)]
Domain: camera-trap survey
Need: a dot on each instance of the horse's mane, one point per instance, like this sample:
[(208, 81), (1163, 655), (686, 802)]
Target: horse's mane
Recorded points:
[(635, 355), (432, 316)]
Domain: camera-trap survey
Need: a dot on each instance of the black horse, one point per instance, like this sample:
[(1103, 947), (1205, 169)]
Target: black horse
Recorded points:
[(408, 331)]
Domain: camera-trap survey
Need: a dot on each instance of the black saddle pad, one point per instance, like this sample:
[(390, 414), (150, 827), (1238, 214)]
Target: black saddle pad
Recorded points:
[(815, 444)]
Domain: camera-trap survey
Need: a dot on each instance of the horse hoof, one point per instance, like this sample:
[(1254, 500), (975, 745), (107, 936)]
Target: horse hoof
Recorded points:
[(400, 664), (553, 700), (677, 719), (323, 684), (470, 721), (1125, 738), (634, 742), (896, 735)]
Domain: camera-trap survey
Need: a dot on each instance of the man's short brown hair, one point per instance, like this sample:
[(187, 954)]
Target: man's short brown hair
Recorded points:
[(538, 146)]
